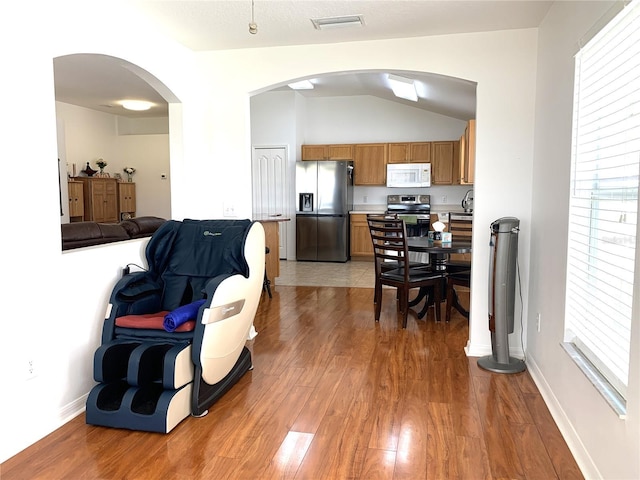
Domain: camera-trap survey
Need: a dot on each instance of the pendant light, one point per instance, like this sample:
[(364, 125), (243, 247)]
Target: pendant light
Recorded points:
[(253, 27)]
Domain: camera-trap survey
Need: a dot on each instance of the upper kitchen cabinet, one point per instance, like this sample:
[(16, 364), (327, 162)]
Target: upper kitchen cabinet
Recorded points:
[(413, 152), (327, 152), (370, 164), (443, 163), (468, 154)]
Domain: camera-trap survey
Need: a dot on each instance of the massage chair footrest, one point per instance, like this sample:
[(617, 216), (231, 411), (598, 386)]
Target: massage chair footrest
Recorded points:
[(141, 363), (149, 408)]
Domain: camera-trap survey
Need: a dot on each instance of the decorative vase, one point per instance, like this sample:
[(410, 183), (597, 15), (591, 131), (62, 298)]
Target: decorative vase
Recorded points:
[(89, 171)]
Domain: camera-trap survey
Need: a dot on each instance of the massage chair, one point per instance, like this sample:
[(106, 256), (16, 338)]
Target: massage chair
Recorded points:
[(174, 336)]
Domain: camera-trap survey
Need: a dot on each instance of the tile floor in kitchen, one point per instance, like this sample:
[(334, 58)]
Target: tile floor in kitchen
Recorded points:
[(326, 274)]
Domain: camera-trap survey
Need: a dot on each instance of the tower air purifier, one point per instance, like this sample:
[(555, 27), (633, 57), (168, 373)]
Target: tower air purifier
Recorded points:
[(502, 286)]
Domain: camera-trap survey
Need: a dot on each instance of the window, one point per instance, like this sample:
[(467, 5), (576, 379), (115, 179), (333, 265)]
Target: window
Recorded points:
[(604, 200)]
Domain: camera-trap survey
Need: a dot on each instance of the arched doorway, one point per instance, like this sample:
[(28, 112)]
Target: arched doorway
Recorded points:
[(92, 124)]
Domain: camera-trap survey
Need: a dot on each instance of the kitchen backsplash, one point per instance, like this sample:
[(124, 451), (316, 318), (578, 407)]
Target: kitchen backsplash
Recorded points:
[(445, 195)]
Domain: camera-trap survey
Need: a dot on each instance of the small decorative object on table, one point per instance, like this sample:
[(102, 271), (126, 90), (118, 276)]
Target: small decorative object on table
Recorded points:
[(89, 171), (129, 171), (438, 235)]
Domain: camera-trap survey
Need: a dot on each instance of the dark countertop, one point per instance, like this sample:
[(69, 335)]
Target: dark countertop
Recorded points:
[(271, 218)]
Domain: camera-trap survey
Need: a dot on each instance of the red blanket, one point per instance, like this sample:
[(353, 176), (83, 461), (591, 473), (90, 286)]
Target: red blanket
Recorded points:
[(152, 321)]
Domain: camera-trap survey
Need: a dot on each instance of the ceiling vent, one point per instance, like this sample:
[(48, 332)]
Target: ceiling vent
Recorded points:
[(337, 22)]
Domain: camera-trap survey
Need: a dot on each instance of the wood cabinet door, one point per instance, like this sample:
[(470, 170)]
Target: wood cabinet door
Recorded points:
[(442, 163), (370, 164), (340, 152), (111, 201), (399, 152), (314, 152), (361, 245), (76, 199), (468, 154), (104, 200), (127, 197), (420, 152)]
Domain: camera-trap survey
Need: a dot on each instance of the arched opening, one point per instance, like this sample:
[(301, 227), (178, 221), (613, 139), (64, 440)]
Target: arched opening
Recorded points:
[(93, 126), (356, 107)]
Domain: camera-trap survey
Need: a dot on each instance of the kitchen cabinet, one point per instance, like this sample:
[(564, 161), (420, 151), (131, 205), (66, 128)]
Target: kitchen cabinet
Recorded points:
[(126, 200), (361, 245), (411, 152), (327, 152), (442, 163), (468, 154), (100, 199), (76, 201), (370, 164)]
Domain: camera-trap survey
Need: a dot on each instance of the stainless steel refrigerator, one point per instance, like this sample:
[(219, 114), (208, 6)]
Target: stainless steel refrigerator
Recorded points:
[(324, 195)]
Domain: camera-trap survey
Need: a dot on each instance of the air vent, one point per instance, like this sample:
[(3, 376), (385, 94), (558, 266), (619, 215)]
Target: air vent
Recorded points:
[(336, 22)]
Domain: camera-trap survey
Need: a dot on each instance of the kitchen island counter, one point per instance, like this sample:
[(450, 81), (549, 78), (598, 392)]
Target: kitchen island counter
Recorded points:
[(272, 242)]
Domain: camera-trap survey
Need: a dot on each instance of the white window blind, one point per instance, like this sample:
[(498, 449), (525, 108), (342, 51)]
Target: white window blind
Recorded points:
[(604, 197)]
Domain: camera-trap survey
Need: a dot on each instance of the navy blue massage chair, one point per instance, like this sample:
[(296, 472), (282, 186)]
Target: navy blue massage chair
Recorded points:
[(174, 336)]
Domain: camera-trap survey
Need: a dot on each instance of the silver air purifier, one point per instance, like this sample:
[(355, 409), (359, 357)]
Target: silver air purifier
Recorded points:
[(502, 287)]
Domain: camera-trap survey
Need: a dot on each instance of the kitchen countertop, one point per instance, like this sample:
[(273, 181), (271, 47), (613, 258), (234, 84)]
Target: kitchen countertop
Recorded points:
[(271, 218)]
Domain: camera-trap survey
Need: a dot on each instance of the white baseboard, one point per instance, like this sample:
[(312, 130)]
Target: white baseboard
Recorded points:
[(582, 457), (73, 409)]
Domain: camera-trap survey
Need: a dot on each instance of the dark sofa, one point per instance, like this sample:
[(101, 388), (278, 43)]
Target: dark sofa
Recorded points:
[(84, 234)]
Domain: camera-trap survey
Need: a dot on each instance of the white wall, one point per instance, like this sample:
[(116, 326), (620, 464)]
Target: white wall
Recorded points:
[(89, 135), (605, 446)]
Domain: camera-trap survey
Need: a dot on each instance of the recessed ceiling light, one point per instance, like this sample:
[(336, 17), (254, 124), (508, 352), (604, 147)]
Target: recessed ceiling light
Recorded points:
[(301, 85), (403, 87), (136, 105), (335, 22)]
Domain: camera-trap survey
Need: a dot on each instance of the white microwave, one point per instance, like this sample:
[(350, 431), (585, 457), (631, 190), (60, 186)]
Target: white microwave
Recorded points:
[(407, 175)]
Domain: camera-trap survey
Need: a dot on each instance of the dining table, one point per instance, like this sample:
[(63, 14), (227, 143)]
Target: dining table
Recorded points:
[(439, 256)]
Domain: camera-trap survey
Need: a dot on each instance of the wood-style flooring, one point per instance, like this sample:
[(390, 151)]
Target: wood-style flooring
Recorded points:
[(334, 395)]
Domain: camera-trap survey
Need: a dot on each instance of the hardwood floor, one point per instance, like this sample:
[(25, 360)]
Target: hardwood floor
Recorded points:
[(333, 395)]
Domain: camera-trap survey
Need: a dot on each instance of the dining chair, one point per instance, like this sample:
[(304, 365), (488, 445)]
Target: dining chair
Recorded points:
[(393, 267), (460, 278), (459, 269), (391, 264)]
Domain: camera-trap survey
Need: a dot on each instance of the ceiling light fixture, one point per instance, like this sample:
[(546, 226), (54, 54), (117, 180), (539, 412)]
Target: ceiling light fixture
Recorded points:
[(253, 27), (301, 85), (335, 22), (403, 87), (136, 105)]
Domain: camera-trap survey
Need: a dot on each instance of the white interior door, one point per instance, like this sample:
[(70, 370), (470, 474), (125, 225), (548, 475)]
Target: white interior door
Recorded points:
[(270, 192)]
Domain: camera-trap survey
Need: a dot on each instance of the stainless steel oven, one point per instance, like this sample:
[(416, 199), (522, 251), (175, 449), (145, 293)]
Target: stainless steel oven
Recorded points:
[(414, 209)]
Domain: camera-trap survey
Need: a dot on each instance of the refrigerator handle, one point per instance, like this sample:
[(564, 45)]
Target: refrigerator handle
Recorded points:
[(305, 202)]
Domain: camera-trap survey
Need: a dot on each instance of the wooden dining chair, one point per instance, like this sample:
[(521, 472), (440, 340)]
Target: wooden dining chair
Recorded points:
[(389, 265), (459, 270), (393, 267), (460, 278)]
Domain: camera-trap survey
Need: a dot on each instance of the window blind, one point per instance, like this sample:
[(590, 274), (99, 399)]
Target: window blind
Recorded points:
[(604, 197)]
